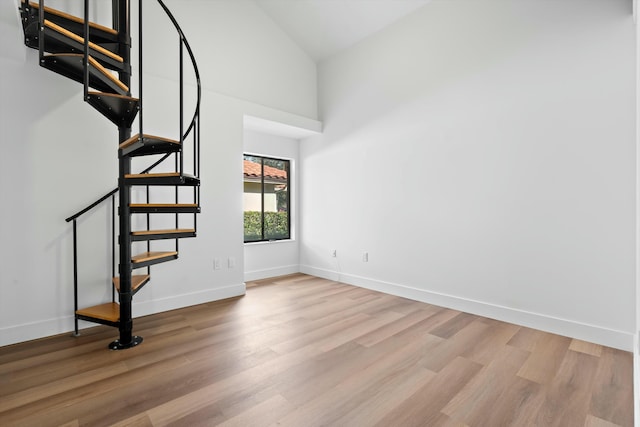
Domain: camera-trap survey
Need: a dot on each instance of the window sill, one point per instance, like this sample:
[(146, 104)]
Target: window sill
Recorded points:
[(269, 242)]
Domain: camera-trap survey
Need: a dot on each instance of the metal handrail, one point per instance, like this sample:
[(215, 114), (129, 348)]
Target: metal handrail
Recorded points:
[(114, 191), (92, 205), (184, 40)]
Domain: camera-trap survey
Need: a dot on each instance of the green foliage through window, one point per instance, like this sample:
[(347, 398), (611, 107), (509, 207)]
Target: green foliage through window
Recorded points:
[(276, 226)]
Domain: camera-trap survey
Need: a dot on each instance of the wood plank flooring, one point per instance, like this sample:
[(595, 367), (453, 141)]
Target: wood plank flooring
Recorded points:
[(303, 351)]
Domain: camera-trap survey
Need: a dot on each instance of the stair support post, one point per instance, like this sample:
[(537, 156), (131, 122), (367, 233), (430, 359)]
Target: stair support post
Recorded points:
[(125, 325), (127, 339)]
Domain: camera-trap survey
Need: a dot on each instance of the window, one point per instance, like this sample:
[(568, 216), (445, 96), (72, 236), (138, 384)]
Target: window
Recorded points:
[(266, 199)]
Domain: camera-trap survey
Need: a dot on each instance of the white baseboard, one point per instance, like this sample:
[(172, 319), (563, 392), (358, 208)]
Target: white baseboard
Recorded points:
[(586, 332), (271, 272), (34, 330), (30, 331), (160, 305)]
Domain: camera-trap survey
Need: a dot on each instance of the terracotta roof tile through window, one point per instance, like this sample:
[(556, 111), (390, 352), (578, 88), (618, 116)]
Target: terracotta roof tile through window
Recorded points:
[(252, 169)]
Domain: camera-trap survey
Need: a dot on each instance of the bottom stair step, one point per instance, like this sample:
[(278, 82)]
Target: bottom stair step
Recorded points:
[(103, 313)]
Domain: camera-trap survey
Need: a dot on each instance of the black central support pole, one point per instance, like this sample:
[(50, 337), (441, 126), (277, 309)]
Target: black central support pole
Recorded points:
[(127, 340)]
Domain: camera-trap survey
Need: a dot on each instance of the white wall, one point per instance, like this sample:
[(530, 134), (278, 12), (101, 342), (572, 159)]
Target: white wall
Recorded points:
[(482, 153), (248, 56), (59, 154), (269, 259), (636, 346)]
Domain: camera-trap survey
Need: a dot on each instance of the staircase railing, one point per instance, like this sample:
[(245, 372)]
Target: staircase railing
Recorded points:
[(195, 120), (74, 218), (192, 130), (194, 123)]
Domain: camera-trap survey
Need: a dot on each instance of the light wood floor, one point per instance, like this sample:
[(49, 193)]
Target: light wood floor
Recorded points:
[(302, 351)]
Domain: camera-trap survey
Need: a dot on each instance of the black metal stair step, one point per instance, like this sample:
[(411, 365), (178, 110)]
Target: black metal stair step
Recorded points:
[(106, 314), (71, 65), (171, 178), (177, 233), (150, 258), (137, 282), (147, 145), (164, 208), (120, 109), (98, 34)]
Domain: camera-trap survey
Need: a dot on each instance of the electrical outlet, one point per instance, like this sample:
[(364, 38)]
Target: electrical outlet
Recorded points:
[(365, 257), (216, 263), (232, 262), (334, 253)]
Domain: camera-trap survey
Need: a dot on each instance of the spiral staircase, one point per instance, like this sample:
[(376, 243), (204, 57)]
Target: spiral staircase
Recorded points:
[(99, 58)]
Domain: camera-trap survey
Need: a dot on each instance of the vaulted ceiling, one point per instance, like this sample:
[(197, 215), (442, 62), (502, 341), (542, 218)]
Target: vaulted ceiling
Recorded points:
[(323, 28)]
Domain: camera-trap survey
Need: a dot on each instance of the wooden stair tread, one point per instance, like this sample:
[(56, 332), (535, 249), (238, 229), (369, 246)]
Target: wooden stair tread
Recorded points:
[(113, 95), (57, 28), (163, 205), (169, 178), (136, 138), (109, 312), (73, 18), (152, 175), (136, 281), (173, 230), (169, 208), (148, 256)]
